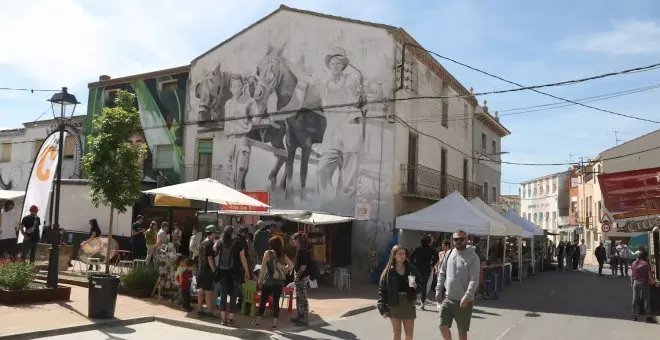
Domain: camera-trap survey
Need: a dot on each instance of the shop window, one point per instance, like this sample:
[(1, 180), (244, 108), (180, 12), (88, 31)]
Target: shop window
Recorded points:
[(164, 156), (6, 152), (69, 147)]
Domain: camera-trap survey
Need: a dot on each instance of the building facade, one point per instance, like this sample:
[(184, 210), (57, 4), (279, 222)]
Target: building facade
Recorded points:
[(487, 141), (19, 148), (545, 202), (510, 202), (317, 110), (160, 98)]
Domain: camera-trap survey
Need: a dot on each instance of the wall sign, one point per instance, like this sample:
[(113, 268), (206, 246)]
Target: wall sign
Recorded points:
[(642, 225)]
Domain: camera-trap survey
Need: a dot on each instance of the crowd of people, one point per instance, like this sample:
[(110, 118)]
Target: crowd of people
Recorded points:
[(453, 272)]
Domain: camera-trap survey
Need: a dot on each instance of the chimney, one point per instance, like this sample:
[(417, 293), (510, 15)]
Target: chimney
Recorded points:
[(497, 118), (486, 106), (104, 77)]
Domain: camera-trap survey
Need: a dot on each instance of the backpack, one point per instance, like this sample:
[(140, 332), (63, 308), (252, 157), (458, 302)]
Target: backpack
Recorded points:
[(276, 273), (225, 258)]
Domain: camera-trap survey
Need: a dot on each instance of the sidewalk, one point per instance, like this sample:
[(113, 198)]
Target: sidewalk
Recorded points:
[(326, 304)]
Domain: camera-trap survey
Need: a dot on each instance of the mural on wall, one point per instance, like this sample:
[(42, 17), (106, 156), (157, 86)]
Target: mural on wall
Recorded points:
[(161, 103), (313, 117)]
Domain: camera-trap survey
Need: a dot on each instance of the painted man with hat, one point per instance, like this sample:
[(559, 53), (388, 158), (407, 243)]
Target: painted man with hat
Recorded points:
[(30, 229), (342, 137)]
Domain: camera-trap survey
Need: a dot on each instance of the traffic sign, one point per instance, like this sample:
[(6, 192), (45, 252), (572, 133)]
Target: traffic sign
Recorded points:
[(606, 219), (606, 227)]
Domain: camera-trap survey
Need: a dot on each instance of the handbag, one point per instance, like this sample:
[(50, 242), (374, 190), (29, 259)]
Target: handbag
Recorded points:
[(444, 266)]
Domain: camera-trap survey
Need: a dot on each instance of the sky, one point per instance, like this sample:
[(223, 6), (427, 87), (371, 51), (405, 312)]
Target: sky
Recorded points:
[(48, 44)]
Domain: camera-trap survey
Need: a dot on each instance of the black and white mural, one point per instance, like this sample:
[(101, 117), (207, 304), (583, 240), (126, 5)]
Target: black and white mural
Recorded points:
[(295, 110)]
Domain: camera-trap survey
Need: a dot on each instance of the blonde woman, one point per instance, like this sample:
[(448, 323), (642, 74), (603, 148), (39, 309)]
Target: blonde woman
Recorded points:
[(397, 293)]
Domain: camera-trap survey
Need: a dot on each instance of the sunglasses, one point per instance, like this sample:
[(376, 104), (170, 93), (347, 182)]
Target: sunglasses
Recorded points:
[(459, 239)]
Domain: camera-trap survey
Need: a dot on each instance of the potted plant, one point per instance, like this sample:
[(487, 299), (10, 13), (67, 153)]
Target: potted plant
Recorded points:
[(139, 282), (17, 286)]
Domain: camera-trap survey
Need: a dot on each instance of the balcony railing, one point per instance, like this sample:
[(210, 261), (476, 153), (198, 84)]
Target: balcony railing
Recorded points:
[(193, 172), (424, 182)]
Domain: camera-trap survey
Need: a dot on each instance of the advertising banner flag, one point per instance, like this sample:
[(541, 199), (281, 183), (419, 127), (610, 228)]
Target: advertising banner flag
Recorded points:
[(41, 179)]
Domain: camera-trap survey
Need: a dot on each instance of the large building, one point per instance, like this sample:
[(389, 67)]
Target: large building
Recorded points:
[(545, 201), (321, 112)]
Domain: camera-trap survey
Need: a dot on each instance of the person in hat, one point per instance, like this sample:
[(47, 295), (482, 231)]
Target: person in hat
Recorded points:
[(341, 141), (206, 269), (30, 230)]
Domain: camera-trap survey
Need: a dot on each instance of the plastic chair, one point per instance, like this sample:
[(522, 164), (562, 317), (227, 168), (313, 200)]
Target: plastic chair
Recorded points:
[(247, 290), (288, 292)]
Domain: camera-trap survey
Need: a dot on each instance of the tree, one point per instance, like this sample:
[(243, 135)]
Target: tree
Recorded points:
[(112, 165)]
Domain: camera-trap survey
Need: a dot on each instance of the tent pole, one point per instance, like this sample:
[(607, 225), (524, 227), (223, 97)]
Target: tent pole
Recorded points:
[(206, 205), (487, 247), (520, 264)]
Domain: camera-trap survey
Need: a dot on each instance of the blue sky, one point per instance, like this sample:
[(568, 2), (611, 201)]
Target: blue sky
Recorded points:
[(54, 43)]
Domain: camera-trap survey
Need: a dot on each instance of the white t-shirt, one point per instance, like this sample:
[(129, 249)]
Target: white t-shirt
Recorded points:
[(8, 225), (583, 249)]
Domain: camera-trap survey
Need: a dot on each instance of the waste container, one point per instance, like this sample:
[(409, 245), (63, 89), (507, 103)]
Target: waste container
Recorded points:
[(102, 298)]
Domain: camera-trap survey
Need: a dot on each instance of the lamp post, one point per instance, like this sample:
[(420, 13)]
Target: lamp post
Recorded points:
[(64, 104)]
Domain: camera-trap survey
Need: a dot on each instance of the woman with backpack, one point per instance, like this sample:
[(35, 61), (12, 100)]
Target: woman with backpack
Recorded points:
[(230, 258), (272, 275)]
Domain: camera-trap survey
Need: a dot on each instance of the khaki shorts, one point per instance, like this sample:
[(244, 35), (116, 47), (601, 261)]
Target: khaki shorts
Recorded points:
[(451, 310)]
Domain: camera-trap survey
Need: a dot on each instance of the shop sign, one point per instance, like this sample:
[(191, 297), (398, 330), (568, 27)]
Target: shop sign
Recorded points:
[(261, 196), (642, 225), (362, 211)]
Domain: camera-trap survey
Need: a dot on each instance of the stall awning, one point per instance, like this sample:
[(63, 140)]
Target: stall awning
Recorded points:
[(449, 214), (523, 223), (11, 194), (316, 218), (512, 229), (631, 193), (168, 201), (208, 189)]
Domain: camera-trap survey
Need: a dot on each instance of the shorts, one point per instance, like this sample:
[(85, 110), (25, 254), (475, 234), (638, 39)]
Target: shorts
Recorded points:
[(405, 309), (205, 281), (451, 310)]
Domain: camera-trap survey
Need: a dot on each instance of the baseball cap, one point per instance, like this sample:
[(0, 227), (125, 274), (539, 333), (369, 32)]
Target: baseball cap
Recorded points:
[(211, 229)]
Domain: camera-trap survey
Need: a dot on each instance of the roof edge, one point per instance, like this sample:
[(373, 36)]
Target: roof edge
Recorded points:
[(126, 79)]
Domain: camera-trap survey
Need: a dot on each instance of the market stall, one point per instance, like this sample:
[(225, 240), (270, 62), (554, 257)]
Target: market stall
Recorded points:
[(454, 212), (534, 243)]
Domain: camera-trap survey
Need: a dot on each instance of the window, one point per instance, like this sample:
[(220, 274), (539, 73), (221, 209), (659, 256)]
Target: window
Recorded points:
[(465, 177), (529, 190), (494, 194), (37, 146), (523, 191), (494, 146), (483, 141), (443, 172), (554, 215), (445, 113), (6, 152), (109, 97), (600, 207), (547, 216), (69, 147), (554, 187), (547, 188), (412, 162), (204, 158), (466, 112), (170, 85), (534, 191), (485, 192), (540, 189), (533, 217), (164, 156)]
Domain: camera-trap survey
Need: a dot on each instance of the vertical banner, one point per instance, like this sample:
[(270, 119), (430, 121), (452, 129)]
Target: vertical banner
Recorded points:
[(41, 179)]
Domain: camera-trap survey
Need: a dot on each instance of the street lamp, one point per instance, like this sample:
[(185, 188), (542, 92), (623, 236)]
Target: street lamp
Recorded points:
[(63, 105)]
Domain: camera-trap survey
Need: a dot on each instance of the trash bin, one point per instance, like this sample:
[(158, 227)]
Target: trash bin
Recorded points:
[(102, 298)]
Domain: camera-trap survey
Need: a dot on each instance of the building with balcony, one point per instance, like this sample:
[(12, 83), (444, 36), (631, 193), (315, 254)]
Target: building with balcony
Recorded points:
[(160, 99), (509, 202), (19, 148), (545, 202), (487, 134)]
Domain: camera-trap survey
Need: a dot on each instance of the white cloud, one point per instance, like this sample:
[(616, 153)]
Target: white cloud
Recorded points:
[(625, 38)]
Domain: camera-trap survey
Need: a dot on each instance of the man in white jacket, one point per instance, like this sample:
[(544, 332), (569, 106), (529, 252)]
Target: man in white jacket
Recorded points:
[(583, 254)]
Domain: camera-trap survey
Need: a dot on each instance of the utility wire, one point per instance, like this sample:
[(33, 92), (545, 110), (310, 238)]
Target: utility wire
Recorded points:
[(27, 90), (570, 82)]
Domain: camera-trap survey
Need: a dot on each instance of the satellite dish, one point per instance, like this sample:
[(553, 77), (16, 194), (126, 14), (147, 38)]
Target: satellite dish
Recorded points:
[(96, 248)]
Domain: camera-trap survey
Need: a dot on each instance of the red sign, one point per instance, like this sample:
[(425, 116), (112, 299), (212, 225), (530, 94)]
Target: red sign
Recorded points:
[(631, 193), (261, 196)]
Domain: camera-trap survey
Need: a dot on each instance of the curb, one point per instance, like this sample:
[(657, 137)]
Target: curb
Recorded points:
[(65, 281), (76, 329)]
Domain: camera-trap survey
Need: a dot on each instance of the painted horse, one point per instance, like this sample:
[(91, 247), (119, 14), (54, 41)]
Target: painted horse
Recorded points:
[(300, 107)]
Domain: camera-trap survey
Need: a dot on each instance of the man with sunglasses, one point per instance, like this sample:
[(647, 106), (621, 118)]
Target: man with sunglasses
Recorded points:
[(457, 283)]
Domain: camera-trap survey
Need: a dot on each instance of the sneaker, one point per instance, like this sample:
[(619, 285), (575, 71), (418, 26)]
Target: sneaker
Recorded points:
[(634, 318)]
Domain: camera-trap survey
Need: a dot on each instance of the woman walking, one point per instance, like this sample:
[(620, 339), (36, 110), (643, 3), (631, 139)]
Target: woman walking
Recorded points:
[(274, 268), (641, 281), (94, 232), (397, 292)]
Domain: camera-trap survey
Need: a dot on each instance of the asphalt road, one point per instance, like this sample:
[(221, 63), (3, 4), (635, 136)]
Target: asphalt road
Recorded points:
[(554, 305), (150, 330)]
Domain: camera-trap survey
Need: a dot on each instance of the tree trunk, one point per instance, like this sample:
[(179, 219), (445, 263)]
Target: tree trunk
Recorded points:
[(108, 251)]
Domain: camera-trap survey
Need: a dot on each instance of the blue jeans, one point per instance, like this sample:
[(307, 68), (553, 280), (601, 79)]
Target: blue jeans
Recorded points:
[(229, 287)]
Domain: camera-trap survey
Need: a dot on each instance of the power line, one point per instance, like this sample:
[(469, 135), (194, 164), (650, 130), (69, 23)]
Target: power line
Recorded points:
[(570, 82), (27, 90)]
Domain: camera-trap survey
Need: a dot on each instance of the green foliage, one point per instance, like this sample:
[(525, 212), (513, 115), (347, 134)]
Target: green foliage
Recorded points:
[(112, 164), (142, 277), (16, 275)]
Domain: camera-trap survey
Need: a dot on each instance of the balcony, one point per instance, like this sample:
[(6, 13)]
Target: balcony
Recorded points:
[(422, 182), (193, 172)]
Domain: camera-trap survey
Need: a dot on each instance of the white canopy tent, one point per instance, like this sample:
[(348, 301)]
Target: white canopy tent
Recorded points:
[(11, 194), (208, 189), (523, 223), (315, 218), (512, 229), (449, 214)]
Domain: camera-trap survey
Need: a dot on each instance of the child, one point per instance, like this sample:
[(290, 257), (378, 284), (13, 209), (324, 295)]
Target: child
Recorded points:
[(184, 278)]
